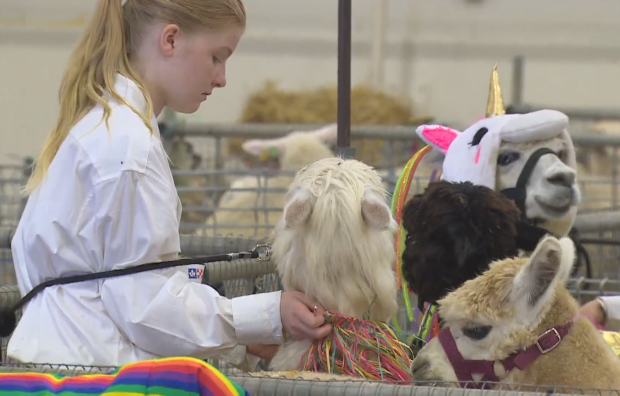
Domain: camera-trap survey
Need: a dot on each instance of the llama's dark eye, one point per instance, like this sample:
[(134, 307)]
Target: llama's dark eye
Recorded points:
[(507, 158), (477, 332)]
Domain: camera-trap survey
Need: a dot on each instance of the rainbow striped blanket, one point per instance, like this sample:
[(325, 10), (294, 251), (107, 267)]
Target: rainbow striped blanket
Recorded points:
[(165, 377)]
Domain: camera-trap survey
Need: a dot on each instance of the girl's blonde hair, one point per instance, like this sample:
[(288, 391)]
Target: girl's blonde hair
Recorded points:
[(113, 33)]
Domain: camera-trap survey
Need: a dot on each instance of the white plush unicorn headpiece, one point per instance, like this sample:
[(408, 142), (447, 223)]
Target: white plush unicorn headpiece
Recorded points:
[(474, 154)]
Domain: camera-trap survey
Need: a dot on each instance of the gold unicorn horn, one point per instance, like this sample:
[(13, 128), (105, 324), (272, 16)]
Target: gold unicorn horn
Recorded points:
[(495, 103)]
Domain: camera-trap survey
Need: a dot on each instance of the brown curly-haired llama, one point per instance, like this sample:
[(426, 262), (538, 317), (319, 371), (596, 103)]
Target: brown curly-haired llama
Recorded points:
[(335, 243), (503, 326), (454, 231)]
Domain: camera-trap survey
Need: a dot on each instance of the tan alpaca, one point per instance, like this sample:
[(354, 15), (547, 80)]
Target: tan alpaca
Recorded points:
[(335, 243), (505, 310)]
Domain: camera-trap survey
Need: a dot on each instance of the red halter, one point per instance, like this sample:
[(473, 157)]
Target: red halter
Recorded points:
[(464, 369)]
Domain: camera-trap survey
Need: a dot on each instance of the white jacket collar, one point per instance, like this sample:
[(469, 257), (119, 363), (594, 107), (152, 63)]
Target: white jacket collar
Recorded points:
[(129, 91)]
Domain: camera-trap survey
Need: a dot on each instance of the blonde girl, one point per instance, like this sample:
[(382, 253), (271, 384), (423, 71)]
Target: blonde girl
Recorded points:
[(102, 197)]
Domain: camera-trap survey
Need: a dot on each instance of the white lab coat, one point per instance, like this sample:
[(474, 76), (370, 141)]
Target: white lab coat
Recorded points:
[(109, 202)]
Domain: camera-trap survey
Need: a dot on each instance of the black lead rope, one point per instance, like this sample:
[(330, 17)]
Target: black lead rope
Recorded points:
[(518, 193), (8, 321)]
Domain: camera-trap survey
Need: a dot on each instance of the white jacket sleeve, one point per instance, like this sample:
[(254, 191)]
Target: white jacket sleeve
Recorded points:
[(163, 312), (611, 304)]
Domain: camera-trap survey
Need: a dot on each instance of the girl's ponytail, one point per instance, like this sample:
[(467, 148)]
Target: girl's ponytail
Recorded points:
[(101, 52)]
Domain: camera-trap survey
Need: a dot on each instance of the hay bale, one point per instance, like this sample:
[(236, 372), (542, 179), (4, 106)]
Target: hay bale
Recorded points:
[(319, 106)]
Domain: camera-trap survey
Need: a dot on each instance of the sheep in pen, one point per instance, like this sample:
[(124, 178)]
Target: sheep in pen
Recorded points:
[(271, 104)]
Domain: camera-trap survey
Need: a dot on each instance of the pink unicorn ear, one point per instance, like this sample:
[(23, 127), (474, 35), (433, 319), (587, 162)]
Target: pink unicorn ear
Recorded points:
[(437, 136)]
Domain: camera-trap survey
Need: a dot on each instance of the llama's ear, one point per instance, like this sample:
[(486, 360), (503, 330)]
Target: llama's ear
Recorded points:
[(265, 148), (437, 136), (375, 212), (328, 134), (256, 147), (533, 286), (567, 262), (298, 208)]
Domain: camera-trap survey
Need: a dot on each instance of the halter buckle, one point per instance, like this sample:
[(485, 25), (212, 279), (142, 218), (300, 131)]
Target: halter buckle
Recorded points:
[(551, 348)]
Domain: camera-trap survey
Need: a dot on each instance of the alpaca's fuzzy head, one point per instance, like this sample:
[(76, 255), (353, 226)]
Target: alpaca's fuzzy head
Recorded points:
[(454, 231), (335, 240), (504, 310)]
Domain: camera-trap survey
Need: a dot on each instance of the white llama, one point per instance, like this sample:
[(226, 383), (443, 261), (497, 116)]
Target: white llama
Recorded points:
[(335, 243)]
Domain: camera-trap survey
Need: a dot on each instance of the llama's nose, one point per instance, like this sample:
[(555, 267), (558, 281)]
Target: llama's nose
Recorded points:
[(419, 366), (563, 178)]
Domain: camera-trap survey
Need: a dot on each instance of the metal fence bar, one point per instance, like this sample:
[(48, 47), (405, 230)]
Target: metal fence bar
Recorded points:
[(574, 113), (199, 245), (191, 245), (396, 132), (343, 115), (598, 222), (9, 296), (581, 288), (518, 70), (301, 387), (385, 132), (269, 385)]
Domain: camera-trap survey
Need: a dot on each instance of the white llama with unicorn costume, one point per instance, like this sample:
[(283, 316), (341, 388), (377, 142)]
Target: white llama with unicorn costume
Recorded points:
[(528, 157)]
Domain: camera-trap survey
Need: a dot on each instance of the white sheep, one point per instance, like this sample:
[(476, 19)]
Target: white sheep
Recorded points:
[(254, 213)]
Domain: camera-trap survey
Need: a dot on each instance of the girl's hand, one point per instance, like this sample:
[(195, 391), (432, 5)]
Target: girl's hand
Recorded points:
[(595, 312), (266, 352), (302, 318)]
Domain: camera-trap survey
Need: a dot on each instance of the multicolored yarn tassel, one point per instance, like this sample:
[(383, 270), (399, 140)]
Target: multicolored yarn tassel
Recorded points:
[(359, 348), (165, 377)]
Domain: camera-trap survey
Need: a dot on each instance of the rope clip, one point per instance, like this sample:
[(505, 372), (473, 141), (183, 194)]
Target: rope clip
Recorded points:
[(264, 252)]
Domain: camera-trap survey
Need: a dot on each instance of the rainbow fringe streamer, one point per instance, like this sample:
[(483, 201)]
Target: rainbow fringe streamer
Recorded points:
[(164, 377), (401, 190), (428, 327), (359, 348)]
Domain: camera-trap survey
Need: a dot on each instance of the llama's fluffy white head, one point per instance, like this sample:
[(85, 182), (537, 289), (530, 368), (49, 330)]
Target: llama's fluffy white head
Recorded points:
[(335, 241)]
